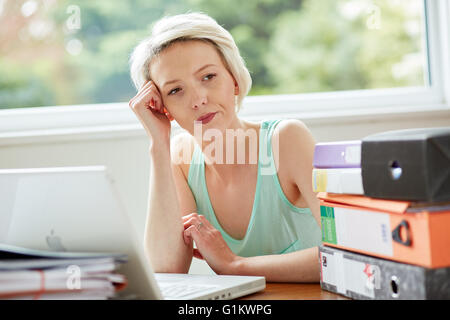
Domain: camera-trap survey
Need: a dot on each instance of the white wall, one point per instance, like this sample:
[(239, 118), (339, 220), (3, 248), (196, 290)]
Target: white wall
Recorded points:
[(127, 158)]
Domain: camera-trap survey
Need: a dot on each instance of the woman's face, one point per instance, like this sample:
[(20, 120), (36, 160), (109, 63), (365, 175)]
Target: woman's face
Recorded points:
[(193, 81)]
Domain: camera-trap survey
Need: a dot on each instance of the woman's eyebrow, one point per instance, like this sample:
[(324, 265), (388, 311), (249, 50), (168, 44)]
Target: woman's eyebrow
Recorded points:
[(204, 67), (199, 70)]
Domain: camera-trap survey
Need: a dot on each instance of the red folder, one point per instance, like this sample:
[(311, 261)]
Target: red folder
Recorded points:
[(385, 228)]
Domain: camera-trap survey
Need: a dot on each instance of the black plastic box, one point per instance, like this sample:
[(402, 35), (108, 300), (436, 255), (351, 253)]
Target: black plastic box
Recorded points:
[(411, 164)]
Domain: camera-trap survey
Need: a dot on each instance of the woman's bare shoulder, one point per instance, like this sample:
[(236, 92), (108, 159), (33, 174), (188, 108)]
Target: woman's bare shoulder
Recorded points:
[(291, 127), (296, 145), (293, 131)]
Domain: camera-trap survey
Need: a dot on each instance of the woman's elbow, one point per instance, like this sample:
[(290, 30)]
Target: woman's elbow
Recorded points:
[(164, 263)]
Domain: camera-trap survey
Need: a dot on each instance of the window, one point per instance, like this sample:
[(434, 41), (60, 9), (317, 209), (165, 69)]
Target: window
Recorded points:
[(306, 57), (62, 53)]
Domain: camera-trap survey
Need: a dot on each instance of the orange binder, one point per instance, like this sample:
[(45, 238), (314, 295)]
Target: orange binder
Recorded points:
[(386, 229)]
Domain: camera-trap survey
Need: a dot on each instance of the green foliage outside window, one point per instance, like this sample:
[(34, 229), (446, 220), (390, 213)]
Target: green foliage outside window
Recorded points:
[(290, 46)]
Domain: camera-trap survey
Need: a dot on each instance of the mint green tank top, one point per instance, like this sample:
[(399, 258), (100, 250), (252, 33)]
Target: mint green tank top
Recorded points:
[(276, 226)]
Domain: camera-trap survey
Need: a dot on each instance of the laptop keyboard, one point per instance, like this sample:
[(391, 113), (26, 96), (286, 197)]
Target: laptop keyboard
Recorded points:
[(179, 290)]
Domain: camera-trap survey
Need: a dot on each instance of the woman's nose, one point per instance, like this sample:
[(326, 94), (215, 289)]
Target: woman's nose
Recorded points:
[(199, 98)]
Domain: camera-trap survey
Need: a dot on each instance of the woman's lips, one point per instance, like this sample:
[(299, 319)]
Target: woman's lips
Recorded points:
[(207, 118)]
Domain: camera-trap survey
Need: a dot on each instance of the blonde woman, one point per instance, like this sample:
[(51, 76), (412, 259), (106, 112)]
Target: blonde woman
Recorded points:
[(243, 193)]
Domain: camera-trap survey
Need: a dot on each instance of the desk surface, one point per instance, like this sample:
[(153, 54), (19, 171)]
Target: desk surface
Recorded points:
[(293, 291)]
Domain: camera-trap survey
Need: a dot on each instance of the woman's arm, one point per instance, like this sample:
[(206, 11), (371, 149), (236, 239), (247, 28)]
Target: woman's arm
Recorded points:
[(298, 266), (299, 160), (163, 239)]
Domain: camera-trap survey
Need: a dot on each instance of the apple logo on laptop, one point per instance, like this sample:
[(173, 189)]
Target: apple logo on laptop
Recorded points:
[(54, 242)]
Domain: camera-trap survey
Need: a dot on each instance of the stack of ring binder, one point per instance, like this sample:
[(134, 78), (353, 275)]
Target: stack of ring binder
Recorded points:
[(385, 225)]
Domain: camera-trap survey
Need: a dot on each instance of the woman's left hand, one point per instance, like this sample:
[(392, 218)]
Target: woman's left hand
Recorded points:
[(210, 244)]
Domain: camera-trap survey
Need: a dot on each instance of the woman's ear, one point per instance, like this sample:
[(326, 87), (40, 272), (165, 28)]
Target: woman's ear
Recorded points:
[(168, 115), (236, 88)]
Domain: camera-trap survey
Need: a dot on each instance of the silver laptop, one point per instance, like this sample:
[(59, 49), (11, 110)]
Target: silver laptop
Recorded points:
[(78, 209)]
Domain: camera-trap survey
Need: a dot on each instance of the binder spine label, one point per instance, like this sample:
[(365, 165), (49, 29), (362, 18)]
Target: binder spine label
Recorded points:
[(338, 180), (328, 224), (353, 154), (358, 229), (319, 180), (349, 275)]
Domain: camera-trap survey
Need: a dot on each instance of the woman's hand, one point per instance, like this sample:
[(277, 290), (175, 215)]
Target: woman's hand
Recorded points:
[(210, 244), (149, 109)]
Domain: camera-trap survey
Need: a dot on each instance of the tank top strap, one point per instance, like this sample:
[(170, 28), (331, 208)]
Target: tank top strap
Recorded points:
[(267, 163)]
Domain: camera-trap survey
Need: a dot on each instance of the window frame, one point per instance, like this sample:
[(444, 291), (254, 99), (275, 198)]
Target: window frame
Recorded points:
[(103, 120)]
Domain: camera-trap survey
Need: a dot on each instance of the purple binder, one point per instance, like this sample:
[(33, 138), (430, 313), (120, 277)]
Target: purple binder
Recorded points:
[(340, 154)]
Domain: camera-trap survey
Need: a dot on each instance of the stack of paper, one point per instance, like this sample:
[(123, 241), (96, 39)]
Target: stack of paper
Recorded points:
[(390, 239), (35, 274)]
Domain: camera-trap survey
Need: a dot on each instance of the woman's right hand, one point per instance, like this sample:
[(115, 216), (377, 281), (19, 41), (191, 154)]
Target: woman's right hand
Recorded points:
[(149, 109)]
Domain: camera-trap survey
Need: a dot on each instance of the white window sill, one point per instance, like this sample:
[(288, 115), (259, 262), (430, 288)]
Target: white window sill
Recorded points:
[(106, 121)]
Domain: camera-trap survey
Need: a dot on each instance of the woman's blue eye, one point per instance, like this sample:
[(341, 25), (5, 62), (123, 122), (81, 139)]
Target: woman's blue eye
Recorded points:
[(209, 76), (173, 91)]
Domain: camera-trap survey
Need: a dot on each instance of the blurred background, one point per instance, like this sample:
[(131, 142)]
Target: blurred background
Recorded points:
[(76, 52)]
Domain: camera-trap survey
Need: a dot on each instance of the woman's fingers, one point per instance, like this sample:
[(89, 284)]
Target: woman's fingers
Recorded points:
[(210, 244), (194, 224), (142, 99), (186, 237), (191, 233), (148, 96), (195, 220), (196, 228), (197, 254), (189, 216), (144, 90), (148, 106), (155, 100), (189, 237), (189, 221)]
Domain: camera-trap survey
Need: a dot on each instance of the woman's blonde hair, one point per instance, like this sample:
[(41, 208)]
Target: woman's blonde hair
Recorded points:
[(185, 27)]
